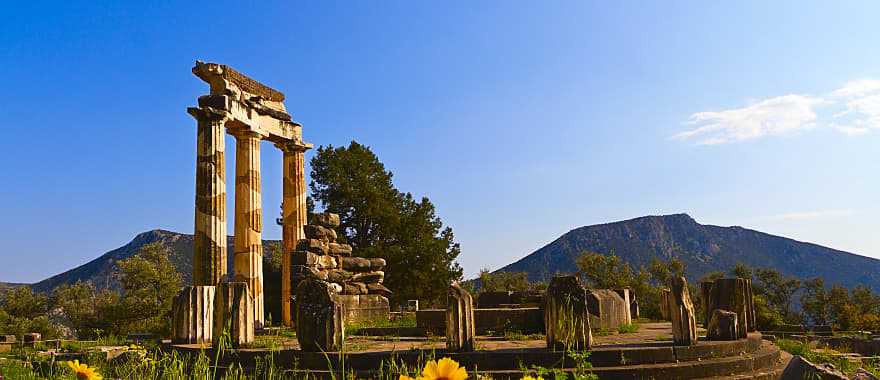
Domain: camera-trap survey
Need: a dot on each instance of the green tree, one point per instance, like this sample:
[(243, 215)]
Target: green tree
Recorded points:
[(778, 291), (89, 312), (504, 281), (604, 271), (380, 221), (149, 283), (814, 301)]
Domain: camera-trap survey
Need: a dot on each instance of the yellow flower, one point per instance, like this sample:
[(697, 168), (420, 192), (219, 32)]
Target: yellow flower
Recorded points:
[(532, 378), (404, 377), (83, 371), (443, 369)]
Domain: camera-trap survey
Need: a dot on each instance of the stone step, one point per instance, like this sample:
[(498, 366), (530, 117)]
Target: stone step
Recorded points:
[(761, 364), (771, 373)]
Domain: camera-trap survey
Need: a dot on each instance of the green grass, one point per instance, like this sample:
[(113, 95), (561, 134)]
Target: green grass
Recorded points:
[(408, 320), (842, 364), (628, 328)]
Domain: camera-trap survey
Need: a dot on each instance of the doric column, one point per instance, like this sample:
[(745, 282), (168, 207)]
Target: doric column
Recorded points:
[(293, 209), (209, 253), (248, 256)]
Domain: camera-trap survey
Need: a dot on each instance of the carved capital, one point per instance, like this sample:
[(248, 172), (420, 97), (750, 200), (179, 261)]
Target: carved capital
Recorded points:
[(294, 146), (207, 114)]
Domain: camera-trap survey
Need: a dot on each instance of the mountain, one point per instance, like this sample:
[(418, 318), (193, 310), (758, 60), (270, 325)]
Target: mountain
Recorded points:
[(100, 271), (704, 248)]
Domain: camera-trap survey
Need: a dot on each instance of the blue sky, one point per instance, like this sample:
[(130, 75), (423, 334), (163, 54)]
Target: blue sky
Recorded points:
[(519, 120)]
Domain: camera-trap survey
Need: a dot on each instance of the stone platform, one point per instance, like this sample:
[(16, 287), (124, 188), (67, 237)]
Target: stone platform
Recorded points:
[(645, 354)]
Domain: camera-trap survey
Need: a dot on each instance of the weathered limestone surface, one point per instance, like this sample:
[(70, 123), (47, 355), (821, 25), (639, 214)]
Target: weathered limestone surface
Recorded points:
[(681, 312), (233, 313), (362, 307), (326, 219), (607, 309), (634, 309), (750, 304), (722, 325), (31, 338), (7, 338), (192, 315), (248, 241), (566, 315), (729, 294), (293, 211), (460, 328), (320, 321), (209, 253)]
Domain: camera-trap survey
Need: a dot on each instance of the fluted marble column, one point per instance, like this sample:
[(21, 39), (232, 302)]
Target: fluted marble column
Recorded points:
[(248, 243), (209, 253), (293, 209)]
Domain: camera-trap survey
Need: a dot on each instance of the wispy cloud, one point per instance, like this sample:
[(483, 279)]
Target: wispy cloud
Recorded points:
[(853, 110), (812, 214)]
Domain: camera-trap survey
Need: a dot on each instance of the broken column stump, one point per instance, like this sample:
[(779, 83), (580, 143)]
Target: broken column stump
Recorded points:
[(681, 312), (320, 318), (729, 294), (566, 315), (722, 325), (192, 315), (460, 328), (233, 314)]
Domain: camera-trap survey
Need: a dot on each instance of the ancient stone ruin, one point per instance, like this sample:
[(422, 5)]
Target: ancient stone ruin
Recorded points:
[(320, 322), (608, 310), (357, 281), (722, 325), (681, 312), (566, 315), (460, 327), (192, 315), (733, 295), (233, 314), (251, 112)]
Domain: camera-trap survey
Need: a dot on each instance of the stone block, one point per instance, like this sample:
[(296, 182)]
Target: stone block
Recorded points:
[(192, 315), (356, 264), (30, 339), (626, 295), (7, 338), (233, 314), (326, 262), (301, 272), (379, 289), (365, 307), (326, 219), (634, 309), (335, 288), (489, 300), (339, 249), (377, 263), (354, 288), (722, 325), (750, 303), (338, 276), (799, 368), (375, 277), (681, 312), (324, 234), (320, 319), (528, 297), (566, 315), (304, 258), (608, 310), (460, 328), (313, 245)]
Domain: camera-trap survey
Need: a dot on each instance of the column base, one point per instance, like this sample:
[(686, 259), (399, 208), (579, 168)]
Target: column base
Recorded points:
[(192, 315)]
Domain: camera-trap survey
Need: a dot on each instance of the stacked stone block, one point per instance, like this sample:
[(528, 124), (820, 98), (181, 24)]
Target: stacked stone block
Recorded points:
[(460, 327), (356, 280)]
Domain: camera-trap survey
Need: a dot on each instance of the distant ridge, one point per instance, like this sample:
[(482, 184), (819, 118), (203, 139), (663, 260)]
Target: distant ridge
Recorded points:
[(704, 248)]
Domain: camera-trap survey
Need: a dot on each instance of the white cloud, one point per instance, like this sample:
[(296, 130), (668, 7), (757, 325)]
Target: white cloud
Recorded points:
[(857, 106), (774, 116), (812, 214)]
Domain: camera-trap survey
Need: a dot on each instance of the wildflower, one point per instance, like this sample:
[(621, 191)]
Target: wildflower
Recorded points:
[(83, 371), (443, 369), (405, 377), (532, 378)]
